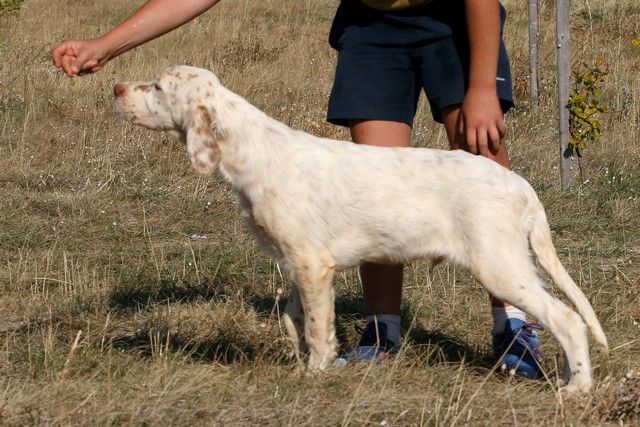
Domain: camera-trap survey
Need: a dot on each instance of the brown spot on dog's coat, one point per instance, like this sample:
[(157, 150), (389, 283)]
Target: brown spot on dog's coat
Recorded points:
[(206, 116), (209, 124)]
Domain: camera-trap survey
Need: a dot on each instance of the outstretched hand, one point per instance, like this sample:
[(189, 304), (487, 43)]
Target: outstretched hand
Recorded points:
[(78, 57)]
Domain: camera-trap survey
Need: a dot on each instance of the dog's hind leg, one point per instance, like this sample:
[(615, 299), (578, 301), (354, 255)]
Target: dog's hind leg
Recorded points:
[(315, 287), (570, 330), (515, 281), (293, 320)]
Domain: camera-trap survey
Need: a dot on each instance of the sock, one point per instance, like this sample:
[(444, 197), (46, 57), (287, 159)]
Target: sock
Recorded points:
[(501, 314), (393, 325)]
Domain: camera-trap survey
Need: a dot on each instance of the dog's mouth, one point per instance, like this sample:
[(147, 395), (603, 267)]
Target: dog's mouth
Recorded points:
[(126, 114), (119, 109)]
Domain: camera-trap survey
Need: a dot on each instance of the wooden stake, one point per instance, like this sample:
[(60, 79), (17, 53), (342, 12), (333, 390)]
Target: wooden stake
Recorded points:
[(563, 45), (534, 56)]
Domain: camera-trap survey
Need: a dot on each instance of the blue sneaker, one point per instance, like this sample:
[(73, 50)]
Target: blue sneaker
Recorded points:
[(518, 348), (373, 346)]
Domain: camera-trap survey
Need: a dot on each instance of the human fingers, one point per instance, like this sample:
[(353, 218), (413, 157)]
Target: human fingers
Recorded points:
[(84, 60), (56, 55), (495, 139), (470, 138), (66, 64), (83, 66), (66, 48), (69, 55), (62, 56), (77, 57), (497, 134), (483, 142)]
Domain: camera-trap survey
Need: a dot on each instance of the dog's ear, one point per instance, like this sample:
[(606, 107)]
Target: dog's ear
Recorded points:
[(202, 140)]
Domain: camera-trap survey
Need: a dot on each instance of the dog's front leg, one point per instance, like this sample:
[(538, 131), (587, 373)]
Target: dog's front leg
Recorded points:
[(293, 320), (315, 287)]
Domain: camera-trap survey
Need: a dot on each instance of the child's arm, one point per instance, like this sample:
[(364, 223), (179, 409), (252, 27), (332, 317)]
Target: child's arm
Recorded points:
[(483, 120), (154, 18)]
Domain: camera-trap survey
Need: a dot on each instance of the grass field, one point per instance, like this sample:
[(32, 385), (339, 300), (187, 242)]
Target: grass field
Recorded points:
[(130, 292)]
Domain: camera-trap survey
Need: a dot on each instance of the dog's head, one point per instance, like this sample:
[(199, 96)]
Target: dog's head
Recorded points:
[(181, 101)]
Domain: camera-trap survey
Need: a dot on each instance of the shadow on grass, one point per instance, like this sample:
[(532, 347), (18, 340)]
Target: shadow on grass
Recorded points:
[(129, 297), (145, 291), (233, 346), (440, 347), (141, 291), (225, 349)]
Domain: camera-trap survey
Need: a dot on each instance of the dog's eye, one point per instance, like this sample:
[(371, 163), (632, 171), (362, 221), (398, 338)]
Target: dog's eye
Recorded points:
[(157, 87)]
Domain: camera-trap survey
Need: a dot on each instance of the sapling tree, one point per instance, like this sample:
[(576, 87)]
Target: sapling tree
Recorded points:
[(584, 107)]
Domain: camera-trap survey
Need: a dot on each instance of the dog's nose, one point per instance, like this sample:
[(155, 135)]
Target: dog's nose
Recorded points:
[(119, 89)]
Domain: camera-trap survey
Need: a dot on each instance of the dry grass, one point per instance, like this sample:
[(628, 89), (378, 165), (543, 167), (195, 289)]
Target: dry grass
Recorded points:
[(130, 293)]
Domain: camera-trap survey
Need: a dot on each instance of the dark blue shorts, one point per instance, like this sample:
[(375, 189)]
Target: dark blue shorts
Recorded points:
[(386, 58)]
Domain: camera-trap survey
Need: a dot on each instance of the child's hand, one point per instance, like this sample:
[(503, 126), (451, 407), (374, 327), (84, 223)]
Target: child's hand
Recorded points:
[(77, 57), (482, 121)]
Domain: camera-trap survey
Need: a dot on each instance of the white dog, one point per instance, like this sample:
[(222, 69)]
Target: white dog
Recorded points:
[(322, 205)]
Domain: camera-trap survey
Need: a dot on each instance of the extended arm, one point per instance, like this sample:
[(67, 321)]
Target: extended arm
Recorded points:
[(153, 19)]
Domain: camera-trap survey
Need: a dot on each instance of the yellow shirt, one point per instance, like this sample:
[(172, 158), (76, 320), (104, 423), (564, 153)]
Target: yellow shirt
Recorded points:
[(393, 4)]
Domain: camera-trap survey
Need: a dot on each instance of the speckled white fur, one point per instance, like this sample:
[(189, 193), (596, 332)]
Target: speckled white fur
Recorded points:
[(321, 205)]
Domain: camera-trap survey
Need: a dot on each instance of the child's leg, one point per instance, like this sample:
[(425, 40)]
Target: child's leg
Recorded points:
[(382, 284)]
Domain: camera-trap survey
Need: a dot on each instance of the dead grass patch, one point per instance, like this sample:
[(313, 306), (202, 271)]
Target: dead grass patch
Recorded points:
[(107, 231)]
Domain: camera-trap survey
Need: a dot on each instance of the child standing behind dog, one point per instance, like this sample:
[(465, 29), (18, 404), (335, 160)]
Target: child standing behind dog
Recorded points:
[(388, 51)]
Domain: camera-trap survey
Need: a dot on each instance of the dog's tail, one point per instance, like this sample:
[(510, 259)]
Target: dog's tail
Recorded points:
[(542, 245)]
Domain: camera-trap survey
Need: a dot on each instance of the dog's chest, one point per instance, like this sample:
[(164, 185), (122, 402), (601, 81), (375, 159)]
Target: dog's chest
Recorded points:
[(258, 226)]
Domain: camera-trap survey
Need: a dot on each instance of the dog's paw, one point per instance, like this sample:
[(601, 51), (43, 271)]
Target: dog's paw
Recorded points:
[(570, 391), (321, 363), (575, 388)]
